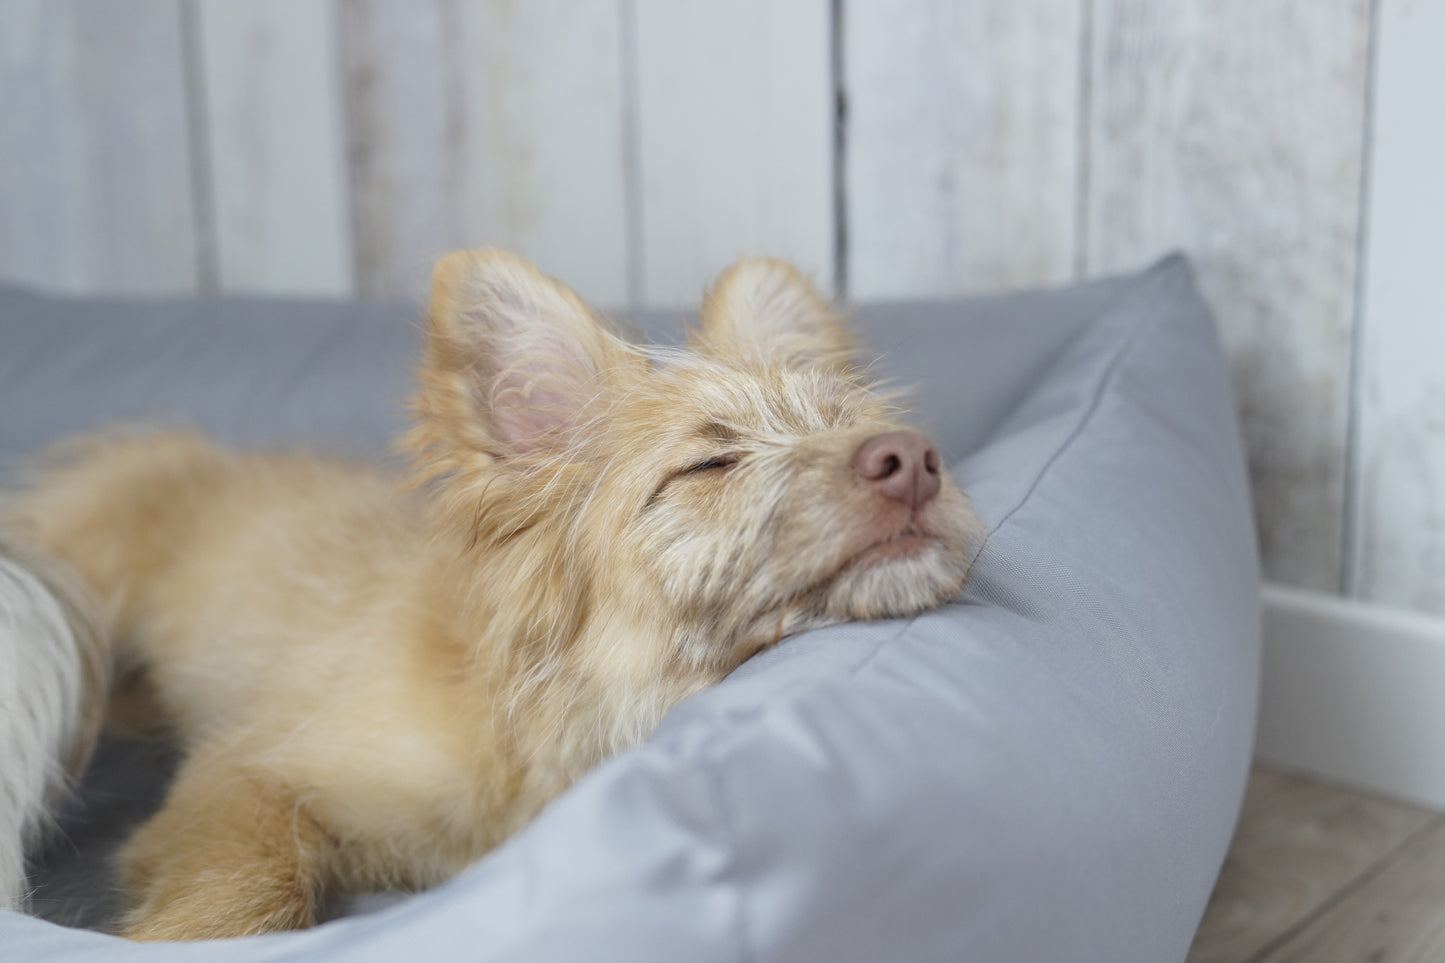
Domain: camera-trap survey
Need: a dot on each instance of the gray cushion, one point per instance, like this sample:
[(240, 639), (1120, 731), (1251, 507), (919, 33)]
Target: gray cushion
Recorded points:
[(1047, 770), (254, 372)]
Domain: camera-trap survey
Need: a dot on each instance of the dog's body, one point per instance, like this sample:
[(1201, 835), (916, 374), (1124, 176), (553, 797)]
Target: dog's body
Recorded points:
[(373, 684)]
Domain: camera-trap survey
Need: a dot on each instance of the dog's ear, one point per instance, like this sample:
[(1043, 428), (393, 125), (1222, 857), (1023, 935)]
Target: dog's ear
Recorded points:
[(764, 309), (514, 359)]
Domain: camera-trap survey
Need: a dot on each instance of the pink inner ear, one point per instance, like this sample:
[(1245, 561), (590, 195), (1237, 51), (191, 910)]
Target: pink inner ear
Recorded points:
[(531, 403)]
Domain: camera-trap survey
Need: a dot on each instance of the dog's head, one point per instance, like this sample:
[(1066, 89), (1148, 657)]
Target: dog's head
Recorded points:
[(727, 493)]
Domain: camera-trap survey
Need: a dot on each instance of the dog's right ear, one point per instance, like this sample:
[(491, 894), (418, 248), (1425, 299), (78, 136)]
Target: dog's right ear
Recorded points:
[(514, 362), (763, 309)]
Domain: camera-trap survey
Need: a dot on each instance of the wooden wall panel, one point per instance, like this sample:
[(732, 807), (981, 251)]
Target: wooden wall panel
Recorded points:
[(734, 123), (1234, 129), (962, 144), (476, 123), (95, 176), (1399, 544), (273, 147)]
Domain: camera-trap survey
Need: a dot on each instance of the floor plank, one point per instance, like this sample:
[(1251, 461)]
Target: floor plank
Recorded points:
[(1397, 915), (1299, 843)]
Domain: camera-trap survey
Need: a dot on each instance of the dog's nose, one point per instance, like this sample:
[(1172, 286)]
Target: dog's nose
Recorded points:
[(903, 465)]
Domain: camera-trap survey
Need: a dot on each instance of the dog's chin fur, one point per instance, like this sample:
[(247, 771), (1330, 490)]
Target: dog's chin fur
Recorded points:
[(375, 683)]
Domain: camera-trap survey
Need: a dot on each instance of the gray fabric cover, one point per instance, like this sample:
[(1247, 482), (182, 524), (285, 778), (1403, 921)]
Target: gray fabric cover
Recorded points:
[(1047, 770)]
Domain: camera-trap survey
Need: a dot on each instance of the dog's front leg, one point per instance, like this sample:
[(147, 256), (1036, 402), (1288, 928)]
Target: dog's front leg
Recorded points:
[(232, 853)]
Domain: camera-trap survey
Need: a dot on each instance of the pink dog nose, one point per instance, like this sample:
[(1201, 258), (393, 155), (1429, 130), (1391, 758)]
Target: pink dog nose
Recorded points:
[(902, 464)]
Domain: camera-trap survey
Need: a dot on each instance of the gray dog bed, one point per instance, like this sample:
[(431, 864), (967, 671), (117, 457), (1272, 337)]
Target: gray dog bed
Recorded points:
[(1048, 769)]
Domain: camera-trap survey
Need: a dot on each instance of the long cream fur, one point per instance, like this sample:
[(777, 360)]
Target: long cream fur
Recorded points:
[(376, 680), (52, 687)]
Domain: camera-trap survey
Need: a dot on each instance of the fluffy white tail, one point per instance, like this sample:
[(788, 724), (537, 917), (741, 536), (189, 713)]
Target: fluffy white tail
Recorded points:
[(53, 677)]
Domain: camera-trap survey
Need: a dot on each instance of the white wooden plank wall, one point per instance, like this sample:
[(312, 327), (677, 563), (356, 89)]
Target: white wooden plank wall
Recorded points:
[(274, 146), (95, 171), (488, 122), (634, 147), (1234, 129), (962, 144), (405, 138), (734, 118), (1398, 552)]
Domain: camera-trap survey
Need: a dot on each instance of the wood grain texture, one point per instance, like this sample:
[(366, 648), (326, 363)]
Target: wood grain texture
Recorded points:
[(1399, 511), (962, 144), (1298, 843), (95, 177), (1396, 916), (1234, 130), (476, 123), (270, 79), (734, 118)]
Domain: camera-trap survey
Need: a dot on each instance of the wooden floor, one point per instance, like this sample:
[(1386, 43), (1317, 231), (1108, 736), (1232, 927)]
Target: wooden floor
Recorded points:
[(1326, 875)]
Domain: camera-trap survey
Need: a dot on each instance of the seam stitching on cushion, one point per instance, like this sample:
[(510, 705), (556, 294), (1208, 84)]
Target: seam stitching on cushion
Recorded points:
[(1111, 372), (872, 653), (1112, 306)]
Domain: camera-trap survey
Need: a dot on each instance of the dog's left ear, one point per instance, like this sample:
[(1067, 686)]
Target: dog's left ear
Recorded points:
[(515, 360), (763, 309)]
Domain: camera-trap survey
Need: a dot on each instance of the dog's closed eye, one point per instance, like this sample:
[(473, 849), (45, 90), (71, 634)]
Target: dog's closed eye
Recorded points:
[(715, 463)]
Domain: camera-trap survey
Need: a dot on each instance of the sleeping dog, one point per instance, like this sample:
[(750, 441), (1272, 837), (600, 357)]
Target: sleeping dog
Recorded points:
[(375, 680)]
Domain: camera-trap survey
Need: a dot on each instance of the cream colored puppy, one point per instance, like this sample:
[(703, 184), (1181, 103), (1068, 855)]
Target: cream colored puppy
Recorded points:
[(375, 682)]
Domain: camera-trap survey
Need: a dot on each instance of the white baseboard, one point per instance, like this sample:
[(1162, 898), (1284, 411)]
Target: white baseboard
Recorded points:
[(1354, 693)]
